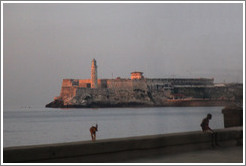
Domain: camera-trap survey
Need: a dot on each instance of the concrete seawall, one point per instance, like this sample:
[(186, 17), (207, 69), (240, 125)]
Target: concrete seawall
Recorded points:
[(119, 150)]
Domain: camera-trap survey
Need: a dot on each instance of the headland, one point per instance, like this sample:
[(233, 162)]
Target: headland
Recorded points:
[(138, 91)]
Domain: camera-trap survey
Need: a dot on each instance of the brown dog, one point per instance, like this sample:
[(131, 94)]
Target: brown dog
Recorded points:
[(93, 131)]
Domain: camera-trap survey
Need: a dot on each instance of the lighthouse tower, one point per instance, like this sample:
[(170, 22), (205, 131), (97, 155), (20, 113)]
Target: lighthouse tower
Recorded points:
[(93, 74)]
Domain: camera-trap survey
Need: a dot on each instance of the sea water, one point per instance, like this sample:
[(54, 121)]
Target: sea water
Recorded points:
[(33, 126)]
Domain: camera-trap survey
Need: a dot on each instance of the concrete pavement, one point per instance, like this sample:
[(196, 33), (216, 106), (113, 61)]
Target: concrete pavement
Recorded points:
[(232, 154)]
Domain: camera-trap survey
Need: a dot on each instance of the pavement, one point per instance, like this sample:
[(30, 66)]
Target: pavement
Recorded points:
[(232, 154)]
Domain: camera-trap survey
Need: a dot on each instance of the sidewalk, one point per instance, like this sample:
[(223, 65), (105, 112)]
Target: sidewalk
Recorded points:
[(218, 155)]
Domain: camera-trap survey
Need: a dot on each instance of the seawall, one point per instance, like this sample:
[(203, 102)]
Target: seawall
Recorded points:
[(121, 149)]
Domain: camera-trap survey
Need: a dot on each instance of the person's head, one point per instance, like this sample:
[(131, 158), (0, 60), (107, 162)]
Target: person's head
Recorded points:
[(209, 116)]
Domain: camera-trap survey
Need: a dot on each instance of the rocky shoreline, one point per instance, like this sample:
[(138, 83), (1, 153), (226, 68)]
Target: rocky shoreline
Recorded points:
[(174, 103)]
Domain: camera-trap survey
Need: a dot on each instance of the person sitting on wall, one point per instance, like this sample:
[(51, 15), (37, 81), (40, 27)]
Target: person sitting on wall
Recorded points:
[(205, 124), (207, 129)]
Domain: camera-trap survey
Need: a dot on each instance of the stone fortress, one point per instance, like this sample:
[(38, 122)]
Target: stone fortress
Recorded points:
[(141, 91)]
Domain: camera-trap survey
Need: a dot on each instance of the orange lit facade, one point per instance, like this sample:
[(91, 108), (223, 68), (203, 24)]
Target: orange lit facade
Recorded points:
[(137, 79), (137, 75)]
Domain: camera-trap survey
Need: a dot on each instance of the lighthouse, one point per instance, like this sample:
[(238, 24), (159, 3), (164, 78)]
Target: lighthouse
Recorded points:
[(94, 74)]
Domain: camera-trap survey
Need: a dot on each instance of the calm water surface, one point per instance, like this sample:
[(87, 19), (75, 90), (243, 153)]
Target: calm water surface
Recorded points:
[(46, 125)]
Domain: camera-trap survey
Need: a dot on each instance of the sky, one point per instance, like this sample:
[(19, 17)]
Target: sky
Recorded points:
[(46, 43)]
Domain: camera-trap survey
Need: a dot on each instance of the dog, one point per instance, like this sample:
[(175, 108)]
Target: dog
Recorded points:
[(93, 131)]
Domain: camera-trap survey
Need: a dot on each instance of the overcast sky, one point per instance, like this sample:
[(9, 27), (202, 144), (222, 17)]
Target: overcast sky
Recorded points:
[(45, 43)]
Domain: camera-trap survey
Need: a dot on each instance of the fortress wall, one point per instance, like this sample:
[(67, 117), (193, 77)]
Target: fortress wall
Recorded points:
[(93, 92), (158, 84), (83, 91), (67, 88), (70, 82), (157, 81), (75, 82), (195, 81), (111, 95), (102, 83), (139, 84), (83, 83), (66, 83), (128, 84), (118, 84), (181, 81), (86, 83), (68, 92), (87, 91)]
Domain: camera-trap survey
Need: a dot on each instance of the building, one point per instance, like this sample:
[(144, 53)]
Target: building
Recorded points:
[(137, 75), (93, 74), (136, 79)]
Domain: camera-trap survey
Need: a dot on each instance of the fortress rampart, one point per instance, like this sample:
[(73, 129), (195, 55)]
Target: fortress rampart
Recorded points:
[(129, 83)]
